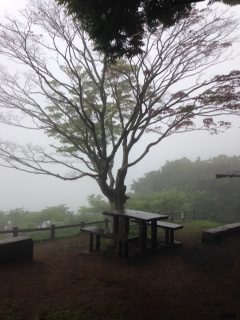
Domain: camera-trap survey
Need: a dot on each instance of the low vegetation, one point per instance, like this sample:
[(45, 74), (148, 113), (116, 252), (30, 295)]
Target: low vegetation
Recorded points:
[(188, 187)]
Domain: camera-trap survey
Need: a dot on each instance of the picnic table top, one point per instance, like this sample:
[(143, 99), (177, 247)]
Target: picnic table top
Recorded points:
[(135, 214)]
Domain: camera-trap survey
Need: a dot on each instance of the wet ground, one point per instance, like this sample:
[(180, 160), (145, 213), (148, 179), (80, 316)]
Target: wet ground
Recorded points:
[(191, 282)]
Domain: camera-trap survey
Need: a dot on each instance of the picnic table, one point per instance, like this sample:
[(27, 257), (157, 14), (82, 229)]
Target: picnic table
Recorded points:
[(121, 220)]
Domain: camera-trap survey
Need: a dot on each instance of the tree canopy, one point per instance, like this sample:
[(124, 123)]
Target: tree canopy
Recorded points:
[(95, 112), (118, 27)]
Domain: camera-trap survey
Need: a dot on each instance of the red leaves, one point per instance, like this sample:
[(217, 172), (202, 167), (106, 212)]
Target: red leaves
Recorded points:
[(232, 106), (224, 91), (207, 122), (179, 95), (184, 124), (210, 124), (226, 44), (224, 123), (233, 76)]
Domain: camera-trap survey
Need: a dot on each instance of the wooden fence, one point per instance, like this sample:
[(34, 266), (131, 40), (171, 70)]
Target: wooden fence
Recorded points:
[(52, 228), (185, 215), (192, 215), (179, 215)]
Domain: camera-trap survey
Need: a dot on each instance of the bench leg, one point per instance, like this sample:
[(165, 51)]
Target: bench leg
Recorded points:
[(167, 236), (143, 235), (90, 245), (97, 242), (154, 235)]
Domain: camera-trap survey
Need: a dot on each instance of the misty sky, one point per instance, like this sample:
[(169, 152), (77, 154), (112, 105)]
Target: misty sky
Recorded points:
[(18, 189)]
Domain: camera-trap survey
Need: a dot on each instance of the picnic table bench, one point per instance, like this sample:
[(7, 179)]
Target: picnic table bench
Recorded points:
[(16, 249), (142, 218), (169, 228), (122, 240), (214, 234)]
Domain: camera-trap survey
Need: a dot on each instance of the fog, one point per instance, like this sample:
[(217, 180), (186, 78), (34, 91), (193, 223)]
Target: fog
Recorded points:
[(34, 192)]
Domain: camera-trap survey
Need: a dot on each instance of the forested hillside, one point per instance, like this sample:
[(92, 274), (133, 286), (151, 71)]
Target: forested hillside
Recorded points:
[(186, 184), (179, 185)]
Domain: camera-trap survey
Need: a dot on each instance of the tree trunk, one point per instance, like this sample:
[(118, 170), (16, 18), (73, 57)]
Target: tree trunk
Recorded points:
[(119, 199), (117, 196)]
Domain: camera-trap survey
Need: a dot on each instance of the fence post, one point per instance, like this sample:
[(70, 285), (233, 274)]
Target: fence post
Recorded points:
[(82, 224), (52, 231), (182, 215), (15, 231)]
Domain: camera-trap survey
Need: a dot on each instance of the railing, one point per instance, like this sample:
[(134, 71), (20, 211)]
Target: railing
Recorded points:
[(183, 215), (192, 215), (52, 228)]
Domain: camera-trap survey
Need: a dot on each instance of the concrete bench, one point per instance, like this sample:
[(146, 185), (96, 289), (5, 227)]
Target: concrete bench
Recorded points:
[(16, 249), (122, 240), (214, 234), (169, 228)]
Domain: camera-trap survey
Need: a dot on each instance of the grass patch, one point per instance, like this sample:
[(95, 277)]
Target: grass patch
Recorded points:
[(192, 229)]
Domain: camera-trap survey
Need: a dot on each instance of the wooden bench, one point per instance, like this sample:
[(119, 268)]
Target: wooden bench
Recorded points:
[(16, 249), (215, 234), (169, 228), (122, 240)]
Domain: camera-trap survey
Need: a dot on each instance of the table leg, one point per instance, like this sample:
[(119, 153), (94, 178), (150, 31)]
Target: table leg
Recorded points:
[(167, 236), (115, 224), (119, 249), (142, 235), (126, 225), (171, 237), (154, 235), (125, 246)]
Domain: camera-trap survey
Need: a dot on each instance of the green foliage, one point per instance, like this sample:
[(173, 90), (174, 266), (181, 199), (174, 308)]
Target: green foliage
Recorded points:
[(21, 218), (197, 181), (159, 201), (96, 205), (93, 211), (119, 80), (117, 27), (57, 215)]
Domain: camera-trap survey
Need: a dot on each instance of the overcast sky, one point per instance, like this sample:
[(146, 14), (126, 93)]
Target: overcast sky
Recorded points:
[(31, 192)]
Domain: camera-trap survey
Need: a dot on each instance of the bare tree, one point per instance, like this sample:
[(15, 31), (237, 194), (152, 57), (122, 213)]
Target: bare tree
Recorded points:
[(94, 111)]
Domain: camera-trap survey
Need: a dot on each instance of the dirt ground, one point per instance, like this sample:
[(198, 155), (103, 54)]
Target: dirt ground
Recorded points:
[(191, 282)]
